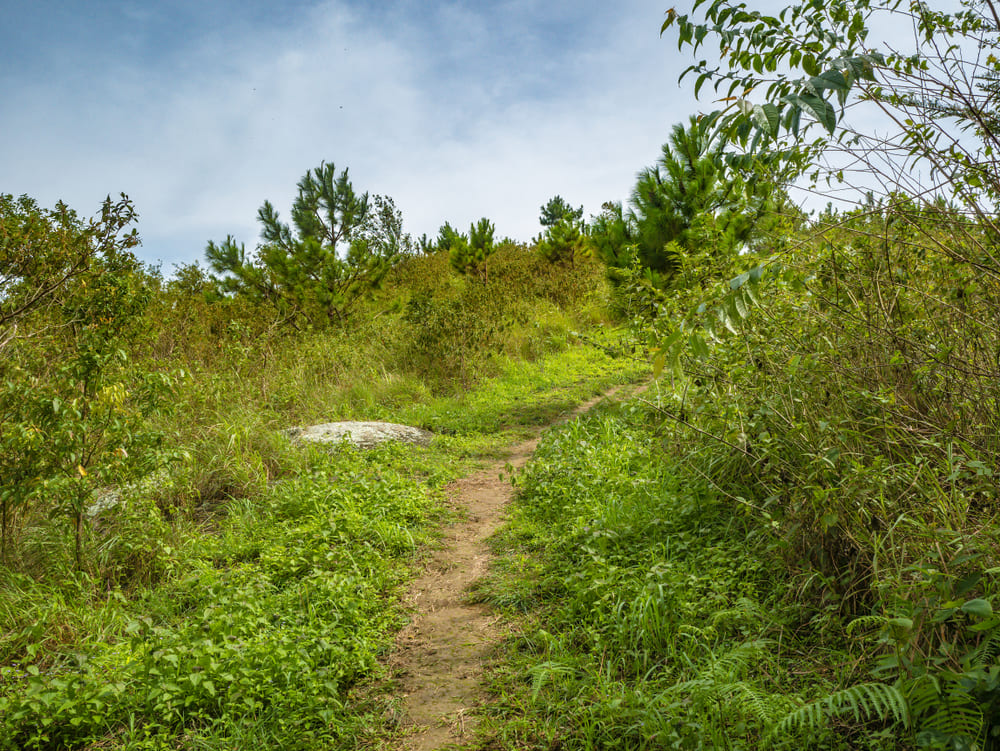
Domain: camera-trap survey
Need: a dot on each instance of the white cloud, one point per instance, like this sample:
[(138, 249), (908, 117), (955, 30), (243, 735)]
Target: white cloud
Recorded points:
[(454, 118)]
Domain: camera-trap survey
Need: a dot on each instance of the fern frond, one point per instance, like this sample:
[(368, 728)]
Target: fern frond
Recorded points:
[(740, 659), (762, 706), (945, 711), (866, 622), (695, 687), (956, 717), (986, 653), (923, 694), (746, 611), (865, 701)]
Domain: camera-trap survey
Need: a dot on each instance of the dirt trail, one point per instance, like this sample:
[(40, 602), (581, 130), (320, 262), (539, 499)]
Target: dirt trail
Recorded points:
[(439, 656)]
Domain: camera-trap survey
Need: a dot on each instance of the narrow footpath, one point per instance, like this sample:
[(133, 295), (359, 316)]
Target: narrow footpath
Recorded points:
[(439, 656)]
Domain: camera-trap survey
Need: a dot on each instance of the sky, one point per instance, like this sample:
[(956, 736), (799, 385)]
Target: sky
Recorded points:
[(200, 110)]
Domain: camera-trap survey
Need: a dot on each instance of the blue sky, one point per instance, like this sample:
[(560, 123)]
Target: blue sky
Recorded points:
[(200, 111)]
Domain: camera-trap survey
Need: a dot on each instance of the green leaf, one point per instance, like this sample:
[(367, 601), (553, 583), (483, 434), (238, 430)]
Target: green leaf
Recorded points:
[(820, 109), (766, 117), (831, 79), (658, 362), (675, 365), (978, 607), (699, 347), (985, 625), (740, 302), (725, 320)]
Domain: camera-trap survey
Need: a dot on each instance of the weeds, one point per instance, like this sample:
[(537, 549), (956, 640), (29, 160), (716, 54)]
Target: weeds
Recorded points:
[(243, 597), (656, 619)]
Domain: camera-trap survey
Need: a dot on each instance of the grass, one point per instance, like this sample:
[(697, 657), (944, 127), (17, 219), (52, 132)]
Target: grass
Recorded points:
[(240, 603), (649, 615)]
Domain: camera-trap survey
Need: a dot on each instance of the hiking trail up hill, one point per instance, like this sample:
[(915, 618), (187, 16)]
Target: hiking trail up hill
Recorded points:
[(440, 654)]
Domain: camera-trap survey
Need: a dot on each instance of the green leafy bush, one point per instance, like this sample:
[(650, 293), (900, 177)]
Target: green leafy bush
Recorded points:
[(285, 629), (75, 412)]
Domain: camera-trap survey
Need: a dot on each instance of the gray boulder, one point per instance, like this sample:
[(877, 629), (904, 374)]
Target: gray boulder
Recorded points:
[(364, 435)]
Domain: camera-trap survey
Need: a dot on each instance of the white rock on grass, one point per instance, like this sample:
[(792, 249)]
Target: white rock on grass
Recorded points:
[(108, 499), (364, 435)]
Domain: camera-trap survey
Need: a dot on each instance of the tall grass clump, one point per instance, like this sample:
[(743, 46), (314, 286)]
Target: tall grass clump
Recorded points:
[(655, 618)]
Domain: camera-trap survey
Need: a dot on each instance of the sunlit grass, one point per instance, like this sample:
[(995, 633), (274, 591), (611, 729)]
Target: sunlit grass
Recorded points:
[(253, 541), (648, 616)]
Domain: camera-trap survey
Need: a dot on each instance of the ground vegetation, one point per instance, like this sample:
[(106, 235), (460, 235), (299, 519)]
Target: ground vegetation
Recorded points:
[(175, 572)]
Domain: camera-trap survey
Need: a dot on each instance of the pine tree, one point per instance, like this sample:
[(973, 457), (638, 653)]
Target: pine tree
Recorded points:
[(563, 241), (689, 205), (449, 237), (470, 255), (558, 210), (315, 270), (690, 197)]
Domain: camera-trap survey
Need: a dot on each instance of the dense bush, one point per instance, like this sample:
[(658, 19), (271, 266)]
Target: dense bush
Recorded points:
[(855, 411), (74, 406), (455, 325)]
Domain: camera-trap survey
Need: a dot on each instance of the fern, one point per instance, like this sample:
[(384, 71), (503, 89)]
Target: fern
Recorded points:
[(762, 706), (747, 612), (722, 691), (865, 701), (986, 653), (944, 713), (866, 622), (739, 660), (723, 671)]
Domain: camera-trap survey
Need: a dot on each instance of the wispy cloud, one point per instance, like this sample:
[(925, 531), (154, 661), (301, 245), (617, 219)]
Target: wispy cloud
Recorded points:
[(457, 110)]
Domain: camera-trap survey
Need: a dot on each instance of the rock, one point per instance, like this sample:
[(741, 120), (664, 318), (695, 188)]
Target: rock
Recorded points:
[(109, 499), (364, 435)]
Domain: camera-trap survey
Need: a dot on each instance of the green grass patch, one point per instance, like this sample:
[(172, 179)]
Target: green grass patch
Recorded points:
[(275, 615), (240, 602), (651, 615), (526, 395)]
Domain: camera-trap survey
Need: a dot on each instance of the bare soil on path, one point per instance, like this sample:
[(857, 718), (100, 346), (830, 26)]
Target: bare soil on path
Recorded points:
[(440, 654)]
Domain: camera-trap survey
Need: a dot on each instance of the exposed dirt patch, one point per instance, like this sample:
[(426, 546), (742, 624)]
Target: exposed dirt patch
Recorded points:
[(439, 656)]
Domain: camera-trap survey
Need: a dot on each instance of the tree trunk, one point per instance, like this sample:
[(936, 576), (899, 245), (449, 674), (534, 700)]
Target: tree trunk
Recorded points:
[(78, 532)]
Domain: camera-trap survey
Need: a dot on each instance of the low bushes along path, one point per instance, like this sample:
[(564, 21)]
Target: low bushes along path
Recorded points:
[(439, 656)]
